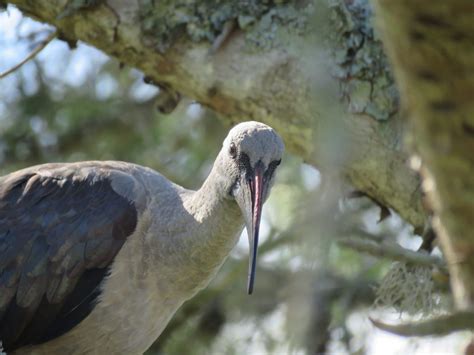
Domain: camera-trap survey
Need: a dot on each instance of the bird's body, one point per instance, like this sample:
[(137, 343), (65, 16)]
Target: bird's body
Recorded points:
[(170, 271), (96, 257)]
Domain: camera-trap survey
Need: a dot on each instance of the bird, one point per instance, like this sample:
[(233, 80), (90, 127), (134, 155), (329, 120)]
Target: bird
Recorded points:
[(97, 256)]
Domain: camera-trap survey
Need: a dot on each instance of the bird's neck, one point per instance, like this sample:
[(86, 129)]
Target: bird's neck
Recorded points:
[(217, 220), (212, 205)]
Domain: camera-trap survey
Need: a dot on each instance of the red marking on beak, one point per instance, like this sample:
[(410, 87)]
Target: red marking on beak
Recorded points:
[(256, 191)]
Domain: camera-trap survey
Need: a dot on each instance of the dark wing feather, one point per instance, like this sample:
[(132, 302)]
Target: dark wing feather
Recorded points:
[(60, 229)]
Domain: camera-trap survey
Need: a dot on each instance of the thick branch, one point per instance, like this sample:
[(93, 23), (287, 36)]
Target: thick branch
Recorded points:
[(277, 85), (432, 51)]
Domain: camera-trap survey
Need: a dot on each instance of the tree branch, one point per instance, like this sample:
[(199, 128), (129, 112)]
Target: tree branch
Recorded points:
[(431, 48), (438, 326), (386, 249), (271, 80), (30, 56)]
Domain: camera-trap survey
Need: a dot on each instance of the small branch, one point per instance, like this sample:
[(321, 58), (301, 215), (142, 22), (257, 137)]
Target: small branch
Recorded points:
[(229, 27), (392, 251), (438, 326), (30, 56)]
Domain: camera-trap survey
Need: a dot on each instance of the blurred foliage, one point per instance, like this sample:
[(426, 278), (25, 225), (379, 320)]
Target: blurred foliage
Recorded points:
[(80, 105)]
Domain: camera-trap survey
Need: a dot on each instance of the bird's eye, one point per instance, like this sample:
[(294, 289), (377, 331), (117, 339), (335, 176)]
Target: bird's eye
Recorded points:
[(271, 169), (233, 150)]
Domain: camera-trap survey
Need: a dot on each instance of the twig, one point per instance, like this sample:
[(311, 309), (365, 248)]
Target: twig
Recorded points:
[(392, 251), (228, 28), (437, 326), (30, 56)]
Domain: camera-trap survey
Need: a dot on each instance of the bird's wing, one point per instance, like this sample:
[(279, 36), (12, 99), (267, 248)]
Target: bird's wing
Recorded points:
[(60, 228)]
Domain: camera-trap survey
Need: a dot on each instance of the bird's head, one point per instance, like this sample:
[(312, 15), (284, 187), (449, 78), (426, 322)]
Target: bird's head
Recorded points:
[(250, 155)]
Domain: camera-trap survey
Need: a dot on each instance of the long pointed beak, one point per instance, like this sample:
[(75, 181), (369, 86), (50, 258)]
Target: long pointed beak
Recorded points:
[(251, 202), (256, 191)]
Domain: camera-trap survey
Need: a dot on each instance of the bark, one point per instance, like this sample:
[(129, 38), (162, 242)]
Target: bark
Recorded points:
[(333, 102), (432, 49)]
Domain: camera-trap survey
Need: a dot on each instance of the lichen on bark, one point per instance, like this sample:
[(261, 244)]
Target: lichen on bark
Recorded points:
[(360, 65), (204, 20)]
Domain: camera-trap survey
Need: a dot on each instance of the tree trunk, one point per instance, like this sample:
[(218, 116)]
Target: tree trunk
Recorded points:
[(333, 101), (432, 49)]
